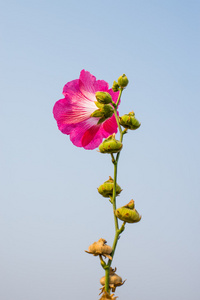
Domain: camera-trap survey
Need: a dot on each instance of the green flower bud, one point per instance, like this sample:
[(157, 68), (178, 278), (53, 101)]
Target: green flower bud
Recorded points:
[(110, 145), (106, 189), (103, 97), (129, 121), (104, 112), (123, 81), (115, 87), (128, 213)]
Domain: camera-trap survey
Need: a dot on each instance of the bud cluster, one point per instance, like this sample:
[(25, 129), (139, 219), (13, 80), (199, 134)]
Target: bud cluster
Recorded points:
[(104, 112), (120, 84)]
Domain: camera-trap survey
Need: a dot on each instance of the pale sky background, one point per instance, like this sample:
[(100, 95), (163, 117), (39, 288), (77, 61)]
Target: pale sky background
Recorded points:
[(50, 211)]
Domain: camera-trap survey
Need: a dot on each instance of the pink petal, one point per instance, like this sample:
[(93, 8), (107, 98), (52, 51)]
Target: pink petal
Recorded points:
[(114, 95), (106, 129), (79, 130), (86, 84), (110, 125), (101, 86), (73, 109), (98, 136), (89, 136), (71, 87)]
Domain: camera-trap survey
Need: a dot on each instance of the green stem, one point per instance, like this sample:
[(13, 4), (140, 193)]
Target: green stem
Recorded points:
[(120, 93), (107, 271), (113, 159), (121, 139), (115, 105), (117, 119), (107, 268), (117, 230), (114, 196)]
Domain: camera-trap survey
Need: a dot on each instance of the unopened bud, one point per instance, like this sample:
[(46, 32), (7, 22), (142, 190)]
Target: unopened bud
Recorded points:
[(123, 81), (110, 145), (106, 189), (129, 121), (103, 97), (128, 213), (104, 112), (115, 87)]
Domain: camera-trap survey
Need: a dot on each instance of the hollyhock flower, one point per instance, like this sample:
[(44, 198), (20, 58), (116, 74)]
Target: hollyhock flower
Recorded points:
[(73, 113)]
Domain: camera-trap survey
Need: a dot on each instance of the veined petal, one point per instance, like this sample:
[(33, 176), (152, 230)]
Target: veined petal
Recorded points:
[(73, 110), (86, 85), (80, 129)]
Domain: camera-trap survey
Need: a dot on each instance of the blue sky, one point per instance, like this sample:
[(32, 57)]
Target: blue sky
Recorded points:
[(50, 209)]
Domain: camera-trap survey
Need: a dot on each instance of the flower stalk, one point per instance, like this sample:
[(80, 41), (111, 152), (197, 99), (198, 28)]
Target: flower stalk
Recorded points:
[(117, 230), (88, 114)]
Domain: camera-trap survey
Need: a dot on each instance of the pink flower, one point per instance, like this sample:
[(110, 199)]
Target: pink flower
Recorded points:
[(73, 113)]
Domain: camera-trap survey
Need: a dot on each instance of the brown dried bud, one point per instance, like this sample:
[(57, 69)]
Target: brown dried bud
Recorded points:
[(100, 248), (114, 280), (106, 296)]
